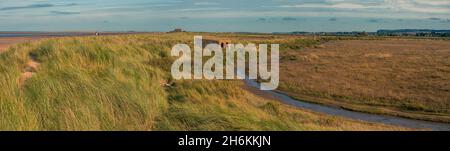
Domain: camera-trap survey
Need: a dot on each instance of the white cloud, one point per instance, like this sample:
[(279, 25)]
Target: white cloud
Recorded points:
[(433, 2), (336, 6), (386, 7), (200, 9), (408, 5), (206, 3)]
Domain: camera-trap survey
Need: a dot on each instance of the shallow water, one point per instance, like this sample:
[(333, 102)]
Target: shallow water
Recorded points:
[(392, 120), (16, 35)]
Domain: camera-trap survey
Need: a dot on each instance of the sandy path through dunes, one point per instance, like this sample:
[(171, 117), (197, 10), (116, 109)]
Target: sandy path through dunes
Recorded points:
[(32, 64)]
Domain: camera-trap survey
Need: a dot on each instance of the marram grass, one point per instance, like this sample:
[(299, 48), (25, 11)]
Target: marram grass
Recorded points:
[(117, 83)]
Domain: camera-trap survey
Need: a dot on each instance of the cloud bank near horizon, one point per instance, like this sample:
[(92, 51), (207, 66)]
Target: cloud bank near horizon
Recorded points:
[(37, 12)]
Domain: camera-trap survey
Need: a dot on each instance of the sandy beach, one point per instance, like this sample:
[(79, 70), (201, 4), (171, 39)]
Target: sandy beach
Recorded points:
[(5, 42)]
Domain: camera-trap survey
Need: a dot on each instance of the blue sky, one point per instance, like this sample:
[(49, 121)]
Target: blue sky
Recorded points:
[(222, 15)]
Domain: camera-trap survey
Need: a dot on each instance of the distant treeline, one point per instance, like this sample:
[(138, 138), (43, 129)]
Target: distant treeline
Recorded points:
[(415, 32), (382, 32)]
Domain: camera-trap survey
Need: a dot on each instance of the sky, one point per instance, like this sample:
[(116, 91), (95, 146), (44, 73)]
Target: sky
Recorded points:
[(223, 15)]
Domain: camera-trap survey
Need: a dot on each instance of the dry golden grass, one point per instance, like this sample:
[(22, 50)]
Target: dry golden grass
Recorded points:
[(409, 78), (117, 83)]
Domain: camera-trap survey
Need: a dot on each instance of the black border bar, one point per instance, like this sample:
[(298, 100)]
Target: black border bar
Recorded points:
[(170, 140)]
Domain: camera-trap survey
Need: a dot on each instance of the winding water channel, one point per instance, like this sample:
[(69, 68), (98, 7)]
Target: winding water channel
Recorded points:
[(392, 120)]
